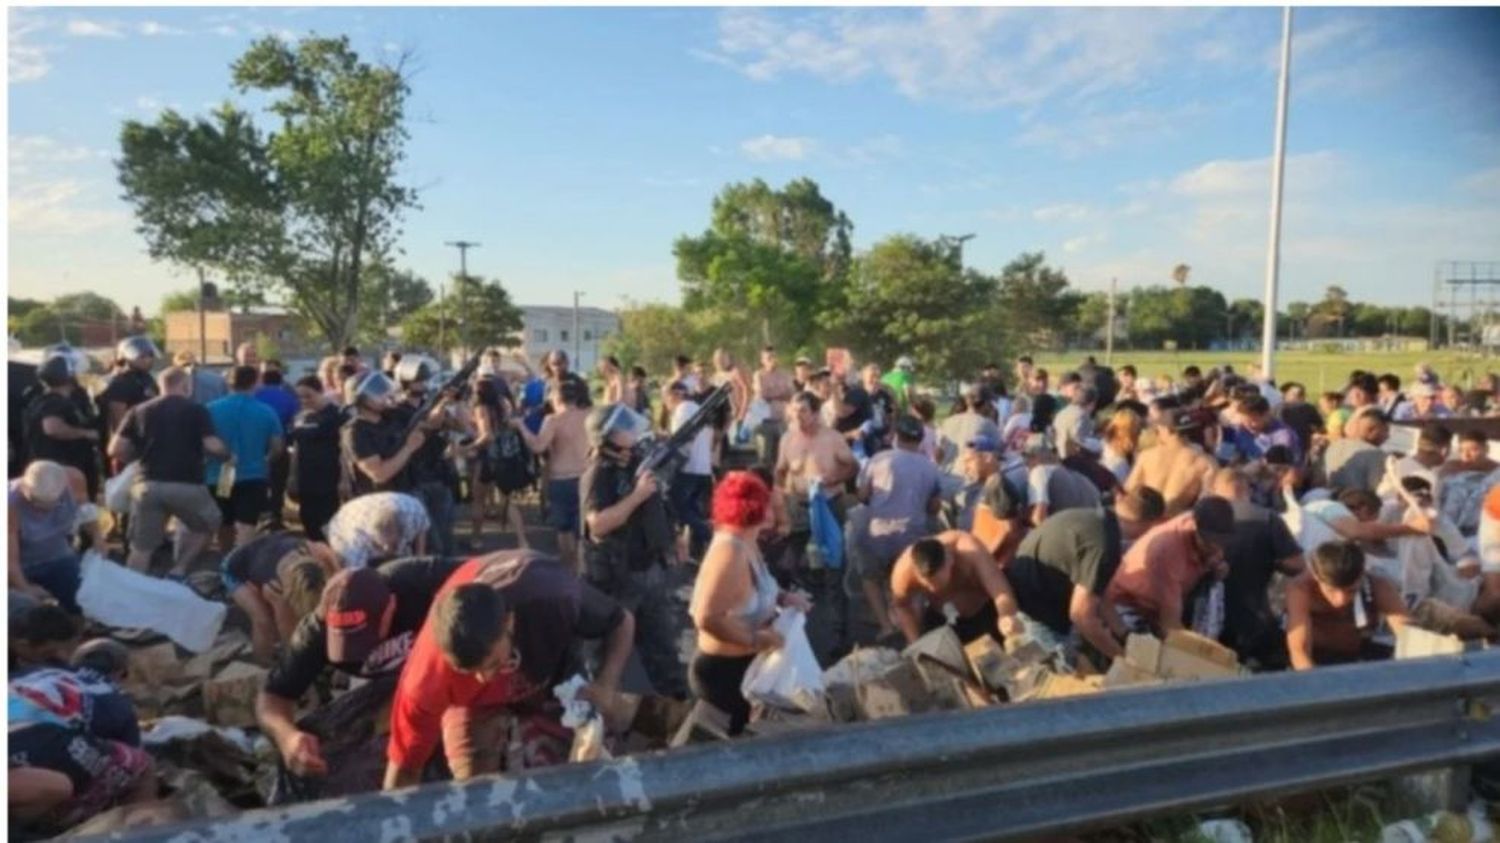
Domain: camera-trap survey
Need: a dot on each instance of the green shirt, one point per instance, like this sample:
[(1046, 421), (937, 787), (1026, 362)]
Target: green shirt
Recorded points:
[(899, 380)]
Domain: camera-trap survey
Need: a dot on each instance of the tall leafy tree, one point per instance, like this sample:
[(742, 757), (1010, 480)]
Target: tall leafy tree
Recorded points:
[(781, 254), (908, 295), (1030, 301), (475, 314), (390, 295), (302, 210)]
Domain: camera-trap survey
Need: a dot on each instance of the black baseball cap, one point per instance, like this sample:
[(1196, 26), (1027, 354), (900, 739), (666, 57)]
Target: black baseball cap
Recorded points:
[(910, 427), (1213, 517)]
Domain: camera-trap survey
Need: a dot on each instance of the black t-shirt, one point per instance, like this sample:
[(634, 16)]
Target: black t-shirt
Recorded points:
[(314, 436), (255, 561), (428, 464), (75, 452), (1072, 548), (413, 582), (647, 535), (857, 410), (168, 434), (362, 439), (1261, 539), (130, 387), (1304, 420)]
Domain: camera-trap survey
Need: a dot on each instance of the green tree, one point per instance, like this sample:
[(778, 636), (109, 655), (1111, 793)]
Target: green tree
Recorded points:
[(910, 296), (783, 254), (389, 297), (1030, 300), (476, 314), (300, 212), (1244, 318)]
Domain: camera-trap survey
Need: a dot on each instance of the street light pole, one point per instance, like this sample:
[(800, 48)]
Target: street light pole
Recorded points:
[(1278, 162), (463, 247), (577, 342)]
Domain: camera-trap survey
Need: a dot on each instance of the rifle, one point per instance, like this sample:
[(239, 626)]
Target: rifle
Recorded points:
[(455, 384), (664, 458)]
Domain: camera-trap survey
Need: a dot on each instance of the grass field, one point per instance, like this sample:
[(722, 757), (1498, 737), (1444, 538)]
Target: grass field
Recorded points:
[(1317, 370)]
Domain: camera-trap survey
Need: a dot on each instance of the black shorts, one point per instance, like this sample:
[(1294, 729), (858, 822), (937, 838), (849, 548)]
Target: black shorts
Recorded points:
[(247, 502)]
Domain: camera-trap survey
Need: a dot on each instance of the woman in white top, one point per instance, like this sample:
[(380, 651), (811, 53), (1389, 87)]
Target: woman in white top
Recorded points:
[(735, 597)]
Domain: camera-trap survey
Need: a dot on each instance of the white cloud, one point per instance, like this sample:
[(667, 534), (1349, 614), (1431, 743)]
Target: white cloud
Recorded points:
[(151, 28), (982, 58), (84, 28), (776, 148), (875, 150), (49, 208), (1483, 182), (391, 47), (1237, 178), (40, 149), (1078, 244), (149, 104), (1074, 136), (28, 61), (1065, 212), (225, 30)]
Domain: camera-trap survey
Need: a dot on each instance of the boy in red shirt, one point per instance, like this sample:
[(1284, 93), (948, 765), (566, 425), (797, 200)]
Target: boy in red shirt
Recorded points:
[(500, 635)]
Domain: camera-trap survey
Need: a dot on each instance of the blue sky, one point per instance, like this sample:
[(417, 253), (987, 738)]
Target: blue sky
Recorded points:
[(577, 144)]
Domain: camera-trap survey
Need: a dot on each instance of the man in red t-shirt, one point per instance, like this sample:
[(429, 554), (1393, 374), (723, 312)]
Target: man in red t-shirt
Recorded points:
[(1162, 569), (500, 635)]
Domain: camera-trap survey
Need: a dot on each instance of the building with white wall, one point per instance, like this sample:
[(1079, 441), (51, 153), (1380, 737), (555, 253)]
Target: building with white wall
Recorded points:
[(548, 328)]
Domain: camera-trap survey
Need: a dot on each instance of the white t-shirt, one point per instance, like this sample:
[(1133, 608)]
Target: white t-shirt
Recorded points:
[(700, 451)]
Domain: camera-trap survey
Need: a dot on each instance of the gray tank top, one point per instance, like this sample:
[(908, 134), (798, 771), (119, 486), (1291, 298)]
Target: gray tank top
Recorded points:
[(761, 605), (46, 534)]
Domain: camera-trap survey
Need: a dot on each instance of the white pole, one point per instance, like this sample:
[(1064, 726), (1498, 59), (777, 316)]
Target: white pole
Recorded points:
[(1273, 247), (1109, 326)]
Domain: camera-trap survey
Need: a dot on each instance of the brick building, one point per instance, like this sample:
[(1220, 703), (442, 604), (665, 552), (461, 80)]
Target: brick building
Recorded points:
[(225, 331)]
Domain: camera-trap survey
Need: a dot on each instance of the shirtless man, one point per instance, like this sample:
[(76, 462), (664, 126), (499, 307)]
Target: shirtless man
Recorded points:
[(809, 450), (564, 442), (774, 387), (1334, 608), (952, 567), (1174, 465)]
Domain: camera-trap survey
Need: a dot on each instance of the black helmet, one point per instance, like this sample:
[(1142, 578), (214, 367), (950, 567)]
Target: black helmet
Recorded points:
[(371, 385), (136, 348), (55, 371)]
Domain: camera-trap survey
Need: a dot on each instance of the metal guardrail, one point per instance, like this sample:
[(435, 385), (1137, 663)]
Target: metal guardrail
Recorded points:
[(1005, 772)]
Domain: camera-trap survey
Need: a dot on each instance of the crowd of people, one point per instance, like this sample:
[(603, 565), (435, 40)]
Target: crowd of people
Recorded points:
[(1067, 512)]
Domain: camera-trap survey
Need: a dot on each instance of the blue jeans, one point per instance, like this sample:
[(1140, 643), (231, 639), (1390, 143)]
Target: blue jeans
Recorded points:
[(60, 577), (688, 497)]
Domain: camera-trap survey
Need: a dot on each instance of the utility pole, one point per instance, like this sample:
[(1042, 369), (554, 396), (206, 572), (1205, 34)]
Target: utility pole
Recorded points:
[(577, 341), (202, 318), (1109, 325), (463, 247), (1273, 246)]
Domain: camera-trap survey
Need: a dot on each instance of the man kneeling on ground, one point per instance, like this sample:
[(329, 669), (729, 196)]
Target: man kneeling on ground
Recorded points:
[(500, 635), (952, 567)]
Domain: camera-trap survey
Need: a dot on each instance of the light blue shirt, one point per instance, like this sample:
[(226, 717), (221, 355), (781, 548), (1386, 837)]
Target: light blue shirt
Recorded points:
[(247, 427)]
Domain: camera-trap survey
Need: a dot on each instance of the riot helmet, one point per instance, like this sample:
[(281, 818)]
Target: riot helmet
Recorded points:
[(610, 420), (136, 349), (372, 391)]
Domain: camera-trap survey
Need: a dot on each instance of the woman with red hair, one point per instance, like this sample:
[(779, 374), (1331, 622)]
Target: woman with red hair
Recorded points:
[(735, 597)]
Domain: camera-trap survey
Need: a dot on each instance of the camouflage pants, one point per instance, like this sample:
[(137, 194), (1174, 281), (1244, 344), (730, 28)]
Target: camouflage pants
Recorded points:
[(645, 594)]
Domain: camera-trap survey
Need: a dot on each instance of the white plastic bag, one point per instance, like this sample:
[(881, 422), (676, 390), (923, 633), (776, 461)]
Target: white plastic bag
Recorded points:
[(116, 596), (117, 488), (787, 677)]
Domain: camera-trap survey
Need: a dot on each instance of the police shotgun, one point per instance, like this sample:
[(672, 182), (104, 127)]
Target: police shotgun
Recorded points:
[(455, 385), (665, 457)]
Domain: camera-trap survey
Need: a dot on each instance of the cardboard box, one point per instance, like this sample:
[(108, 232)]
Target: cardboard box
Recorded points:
[(941, 644), (988, 662), (1413, 642), (704, 724), (1123, 673), (229, 697), (895, 693), (1058, 685), (1183, 655)]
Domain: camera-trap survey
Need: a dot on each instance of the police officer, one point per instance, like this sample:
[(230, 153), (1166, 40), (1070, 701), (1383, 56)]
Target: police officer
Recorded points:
[(432, 475), (374, 448), (627, 538), (60, 423), (132, 383)]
